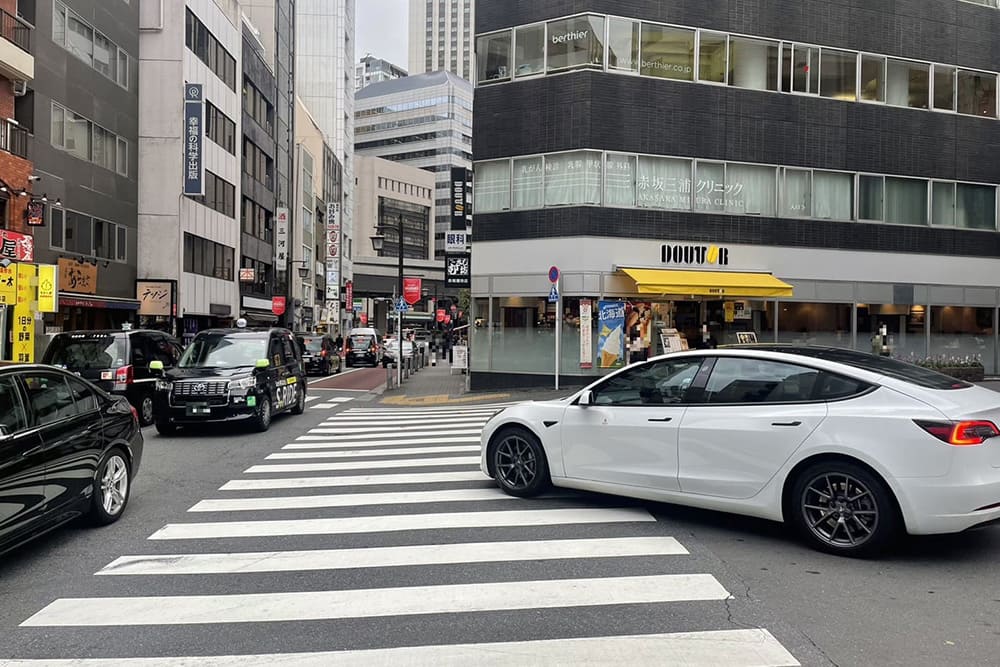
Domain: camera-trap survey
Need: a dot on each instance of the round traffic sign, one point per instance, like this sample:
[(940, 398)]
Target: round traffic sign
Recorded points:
[(553, 274)]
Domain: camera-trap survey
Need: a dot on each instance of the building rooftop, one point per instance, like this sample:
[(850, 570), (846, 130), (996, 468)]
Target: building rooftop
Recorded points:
[(412, 82)]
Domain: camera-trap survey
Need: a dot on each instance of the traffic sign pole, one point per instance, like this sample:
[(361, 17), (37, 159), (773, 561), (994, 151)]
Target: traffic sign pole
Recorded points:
[(554, 292)]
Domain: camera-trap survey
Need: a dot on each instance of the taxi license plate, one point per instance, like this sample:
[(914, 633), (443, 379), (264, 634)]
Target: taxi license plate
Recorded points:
[(194, 410)]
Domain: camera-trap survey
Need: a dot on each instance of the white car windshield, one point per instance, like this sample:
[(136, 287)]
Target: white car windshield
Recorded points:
[(222, 351)]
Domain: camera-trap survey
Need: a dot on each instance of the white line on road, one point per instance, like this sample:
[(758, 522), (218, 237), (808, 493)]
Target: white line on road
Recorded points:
[(341, 420), (353, 480), (377, 602), (311, 398), (372, 452), (347, 437), (714, 648), (393, 522), (423, 554), (397, 414), (336, 375), (268, 468), (327, 427), (352, 444), (348, 500)]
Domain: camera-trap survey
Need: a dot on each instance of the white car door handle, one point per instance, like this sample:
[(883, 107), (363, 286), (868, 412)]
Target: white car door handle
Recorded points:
[(662, 419), (786, 423)]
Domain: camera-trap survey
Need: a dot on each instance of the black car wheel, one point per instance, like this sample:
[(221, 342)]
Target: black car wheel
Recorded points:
[(145, 409), (518, 463), (300, 400), (165, 428), (262, 418), (111, 488)]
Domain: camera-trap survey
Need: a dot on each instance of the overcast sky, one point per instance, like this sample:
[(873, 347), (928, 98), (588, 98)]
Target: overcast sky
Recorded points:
[(382, 30)]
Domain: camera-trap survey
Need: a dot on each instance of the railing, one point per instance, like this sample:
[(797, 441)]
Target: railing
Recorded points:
[(13, 139), (15, 30)]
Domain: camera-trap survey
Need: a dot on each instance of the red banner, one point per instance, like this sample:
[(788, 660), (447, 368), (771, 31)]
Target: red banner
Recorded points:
[(349, 295), (278, 305), (411, 290), (364, 319), (17, 247), (440, 315)]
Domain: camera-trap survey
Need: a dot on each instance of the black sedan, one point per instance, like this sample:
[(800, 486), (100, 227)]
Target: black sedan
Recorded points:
[(67, 449), (320, 355)]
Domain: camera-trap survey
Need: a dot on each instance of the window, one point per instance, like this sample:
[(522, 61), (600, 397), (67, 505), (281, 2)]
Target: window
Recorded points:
[(575, 42), (83, 396), (870, 198), (753, 63), (907, 84), (832, 387), (529, 57), (751, 189), (203, 44), (49, 397), (573, 178), (258, 165), (667, 52), (944, 88), (623, 44), (619, 180), (873, 78), (12, 414), (833, 195), (656, 383), (977, 93), (493, 56), (88, 141), (78, 135), (257, 107), (710, 187), (906, 201), (79, 233), (492, 186), (712, 56), (527, 190), (56, 227), (256, 220), (976, 206), (922, 377), (78, 37), (207, 258), (663, 183), (796, 187), (943, 204), (838, 75), (219, 128), (800, 68), (220, 195), (736, 381)]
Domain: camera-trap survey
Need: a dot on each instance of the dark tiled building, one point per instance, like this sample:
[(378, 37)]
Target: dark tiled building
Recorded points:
[(805, 171)]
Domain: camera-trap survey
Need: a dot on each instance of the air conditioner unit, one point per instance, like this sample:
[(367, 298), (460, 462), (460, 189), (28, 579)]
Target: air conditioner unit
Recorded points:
[(19, 86)]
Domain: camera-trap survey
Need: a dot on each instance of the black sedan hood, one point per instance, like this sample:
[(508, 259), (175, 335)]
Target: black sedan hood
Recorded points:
[(206, 373)]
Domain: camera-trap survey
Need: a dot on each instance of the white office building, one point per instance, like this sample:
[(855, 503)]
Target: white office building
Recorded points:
[(441, 36), (371, 70)]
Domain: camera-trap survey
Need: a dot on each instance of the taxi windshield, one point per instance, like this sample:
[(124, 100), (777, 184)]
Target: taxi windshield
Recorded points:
[(223, 351)]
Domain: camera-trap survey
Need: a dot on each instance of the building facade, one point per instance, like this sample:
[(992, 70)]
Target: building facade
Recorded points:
[(307, 231), (84, 105), (191, 241), (441, 36), (375, 70), (750, 175), (424, 121), (324, 80), (390, 194)]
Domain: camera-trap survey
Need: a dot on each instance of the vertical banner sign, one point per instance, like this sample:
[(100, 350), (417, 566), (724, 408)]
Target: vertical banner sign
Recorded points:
[(24, 318), (281, 238), (349, 293), (8, 284), (48, 288), (411, 290), (586, 339), (194, 139), (458, 270), (610, 337), (332, 250), (459, 209)]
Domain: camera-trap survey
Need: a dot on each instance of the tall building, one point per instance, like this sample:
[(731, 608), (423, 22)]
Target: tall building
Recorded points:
[(441, 33), (424, 121), (191, 50), (768, 175), (83, 109), (374, 70), (307, 221), (324, 80)]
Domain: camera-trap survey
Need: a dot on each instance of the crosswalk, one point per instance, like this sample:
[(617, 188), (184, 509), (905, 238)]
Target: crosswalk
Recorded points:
[(329, 403), (374, 539)]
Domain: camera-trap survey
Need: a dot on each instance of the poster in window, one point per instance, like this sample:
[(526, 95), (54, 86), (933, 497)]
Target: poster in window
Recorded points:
[(611, 334)]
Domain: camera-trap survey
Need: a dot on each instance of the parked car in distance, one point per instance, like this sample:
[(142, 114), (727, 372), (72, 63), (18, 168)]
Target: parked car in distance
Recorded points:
[(391, 353), (231, 375), (848, 448), (67, 448), (117, 361), (363, 345), (320, 355)]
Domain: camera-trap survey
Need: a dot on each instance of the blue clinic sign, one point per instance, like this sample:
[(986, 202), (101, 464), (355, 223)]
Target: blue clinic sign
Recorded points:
[(194, 139)]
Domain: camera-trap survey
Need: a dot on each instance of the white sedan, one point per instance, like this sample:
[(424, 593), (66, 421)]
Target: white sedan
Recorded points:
[(849, 448)]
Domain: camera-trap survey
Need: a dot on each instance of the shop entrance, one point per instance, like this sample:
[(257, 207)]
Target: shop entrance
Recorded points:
[(708, 323)]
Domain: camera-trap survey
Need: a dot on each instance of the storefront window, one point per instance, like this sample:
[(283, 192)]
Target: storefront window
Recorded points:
[(751, 189), (906, 201), (712, 57), (481, 326), (623, 44), (753, 63), (619, 180), (976, 206), (944, 88), (573, 178), (943, 204), (710, 187), (904, 326), (815, 323), (529, 57), (838, 70), (576, 42), (796, 199), (977, 93), (667, 52), (907, 84), (523, 335), (962, 333), (873, 78), (492, 186), (527, 191), (833, 195), (493, 54), (664, 183), (870, 198)]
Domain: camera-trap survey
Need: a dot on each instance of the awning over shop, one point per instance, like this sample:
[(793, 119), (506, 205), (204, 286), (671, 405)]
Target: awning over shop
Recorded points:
[(707, 283), (103, 302)]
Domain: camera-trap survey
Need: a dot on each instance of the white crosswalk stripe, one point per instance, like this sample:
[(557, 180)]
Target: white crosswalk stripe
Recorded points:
[(393, 482)]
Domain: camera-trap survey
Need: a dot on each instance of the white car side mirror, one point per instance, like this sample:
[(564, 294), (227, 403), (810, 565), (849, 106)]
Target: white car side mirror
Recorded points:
[(586, 398)]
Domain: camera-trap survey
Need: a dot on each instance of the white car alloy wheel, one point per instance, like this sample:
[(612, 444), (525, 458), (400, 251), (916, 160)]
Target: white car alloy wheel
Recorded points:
[(114, 485), (519, 463)]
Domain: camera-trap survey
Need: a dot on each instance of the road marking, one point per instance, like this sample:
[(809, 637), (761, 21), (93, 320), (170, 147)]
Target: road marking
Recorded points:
[(356, 436), (390, 412), (353, 480), (440, 399), (345, 418), (424, 554), (342, 373), (311, 398), (325, 406), (352, 444), (377, 602), (362, 465), (713, 648), (337, 428), (349, 500), (349, 453), (392, 522)]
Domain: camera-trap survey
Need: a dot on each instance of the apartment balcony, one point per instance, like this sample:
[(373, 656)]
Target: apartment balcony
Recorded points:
[(16, 61)]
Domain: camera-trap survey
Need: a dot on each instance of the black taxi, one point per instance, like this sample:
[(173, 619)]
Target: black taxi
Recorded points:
[(231, 375)]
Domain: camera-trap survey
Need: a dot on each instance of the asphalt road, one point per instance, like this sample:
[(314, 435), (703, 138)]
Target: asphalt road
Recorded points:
[(301, 542)]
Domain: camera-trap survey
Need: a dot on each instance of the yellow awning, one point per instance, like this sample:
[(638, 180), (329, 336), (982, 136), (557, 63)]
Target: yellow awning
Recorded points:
[(708, 283)]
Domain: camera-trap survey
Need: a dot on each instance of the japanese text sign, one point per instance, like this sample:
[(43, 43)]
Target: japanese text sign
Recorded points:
[(24, 320), (17, 247), (77, 277), (48, 288), (155, 297), (194, 138)]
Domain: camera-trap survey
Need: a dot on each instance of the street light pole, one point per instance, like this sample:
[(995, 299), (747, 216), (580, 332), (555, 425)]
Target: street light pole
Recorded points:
[(399, 311)]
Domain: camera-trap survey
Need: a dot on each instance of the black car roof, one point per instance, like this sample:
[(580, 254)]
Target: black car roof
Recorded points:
[(111, 332), (249, 332)]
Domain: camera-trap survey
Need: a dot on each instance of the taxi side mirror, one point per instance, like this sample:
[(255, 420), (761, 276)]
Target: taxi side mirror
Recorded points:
[(262, 363), (156, 367)]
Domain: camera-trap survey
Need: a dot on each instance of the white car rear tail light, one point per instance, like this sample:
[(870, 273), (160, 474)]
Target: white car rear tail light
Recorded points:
[(960, 433)]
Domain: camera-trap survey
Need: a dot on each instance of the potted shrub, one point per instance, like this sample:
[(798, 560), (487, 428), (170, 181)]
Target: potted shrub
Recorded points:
[(968, 368)]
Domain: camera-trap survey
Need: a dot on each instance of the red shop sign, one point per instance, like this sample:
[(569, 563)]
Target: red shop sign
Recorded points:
[(440, 315), (17, 247), (411, 290), (278, 305)]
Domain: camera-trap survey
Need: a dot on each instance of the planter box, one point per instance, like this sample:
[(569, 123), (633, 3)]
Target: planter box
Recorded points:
[(967, 373)]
